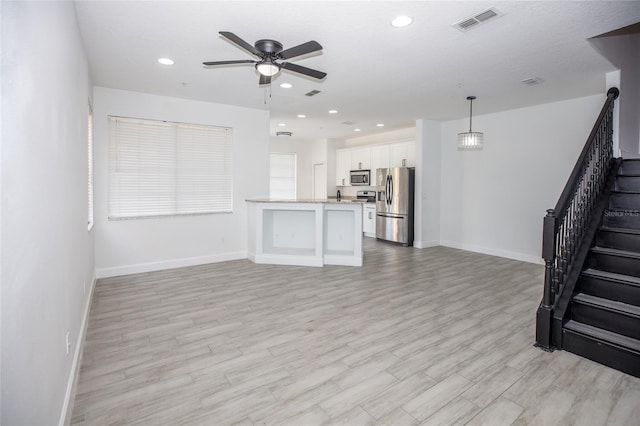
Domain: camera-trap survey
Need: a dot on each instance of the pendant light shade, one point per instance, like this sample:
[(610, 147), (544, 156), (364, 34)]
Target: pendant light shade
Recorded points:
[(470, 140)]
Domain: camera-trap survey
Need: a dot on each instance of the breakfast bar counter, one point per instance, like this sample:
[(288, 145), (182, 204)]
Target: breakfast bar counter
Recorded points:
[(305, 232)]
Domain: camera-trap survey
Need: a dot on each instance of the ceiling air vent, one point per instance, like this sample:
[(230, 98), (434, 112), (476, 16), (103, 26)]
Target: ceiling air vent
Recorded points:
[(312, 93), (283, 133), (348, 123), (532, 81), (477, 19)]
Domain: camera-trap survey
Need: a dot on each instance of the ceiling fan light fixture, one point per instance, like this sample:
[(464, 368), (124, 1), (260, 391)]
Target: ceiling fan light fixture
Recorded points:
[(268, 68), (470, 141)]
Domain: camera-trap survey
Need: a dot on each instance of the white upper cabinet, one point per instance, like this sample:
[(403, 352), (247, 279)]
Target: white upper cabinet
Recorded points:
[(403, 154), (373, 157), (343, 166), (361, 158), (379, 159)]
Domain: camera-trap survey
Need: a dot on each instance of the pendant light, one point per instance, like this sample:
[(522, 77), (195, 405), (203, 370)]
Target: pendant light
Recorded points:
[(470, 140)]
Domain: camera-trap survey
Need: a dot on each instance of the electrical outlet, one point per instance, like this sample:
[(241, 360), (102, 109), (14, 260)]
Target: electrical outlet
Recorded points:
[(68, 341)]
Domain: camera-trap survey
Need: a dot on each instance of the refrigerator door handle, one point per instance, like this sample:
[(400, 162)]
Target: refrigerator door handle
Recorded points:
[(391, 216), (390, 189)]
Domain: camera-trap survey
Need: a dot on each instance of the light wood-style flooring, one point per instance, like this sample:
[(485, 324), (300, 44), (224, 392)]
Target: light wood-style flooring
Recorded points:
[(435, 336)]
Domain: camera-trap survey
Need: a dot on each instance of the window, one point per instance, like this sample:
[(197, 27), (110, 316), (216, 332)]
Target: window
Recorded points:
[(160, 168), (282, 182), (90, 169)]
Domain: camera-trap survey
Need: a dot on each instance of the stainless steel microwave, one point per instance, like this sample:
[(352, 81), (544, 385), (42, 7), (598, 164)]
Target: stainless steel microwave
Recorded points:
[(360, 177)]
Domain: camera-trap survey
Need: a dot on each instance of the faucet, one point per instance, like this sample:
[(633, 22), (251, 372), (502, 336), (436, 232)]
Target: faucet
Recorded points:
[(338, 195)]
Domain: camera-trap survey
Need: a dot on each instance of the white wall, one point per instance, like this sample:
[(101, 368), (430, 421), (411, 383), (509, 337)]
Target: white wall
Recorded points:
[(428, 183), (139, 245), (47, 252), (304, 166), (382, 137), (624, 52), (493, 201)]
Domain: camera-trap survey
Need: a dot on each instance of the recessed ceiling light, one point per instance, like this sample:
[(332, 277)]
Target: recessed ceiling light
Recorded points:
[(356, 130), (333, 111), (166, 61), (379, 125), (286, 85), (401, 21), (302, 116), (281, 124)]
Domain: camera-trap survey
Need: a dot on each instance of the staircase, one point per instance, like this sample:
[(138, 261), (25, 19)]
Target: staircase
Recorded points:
[(603, 317)]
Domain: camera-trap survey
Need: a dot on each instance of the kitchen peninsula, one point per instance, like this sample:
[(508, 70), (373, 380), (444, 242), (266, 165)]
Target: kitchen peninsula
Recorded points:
[(305, 232)]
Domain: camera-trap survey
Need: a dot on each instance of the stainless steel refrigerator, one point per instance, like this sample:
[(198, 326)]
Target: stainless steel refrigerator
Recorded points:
[(394, 204)]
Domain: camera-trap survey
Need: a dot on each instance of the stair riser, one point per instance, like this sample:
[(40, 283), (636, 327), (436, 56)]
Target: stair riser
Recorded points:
[(624, 201), (630, 167), (607, 354), (607, 320), (617, 264), (612, 290), (616, 219), (618, 240), (628, 183)]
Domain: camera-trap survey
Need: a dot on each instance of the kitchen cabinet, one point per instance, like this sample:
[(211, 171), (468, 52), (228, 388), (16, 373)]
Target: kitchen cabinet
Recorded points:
[(379, 159), (343, 166), (369, 219), (403, 154), (373, 157), (361, 158)]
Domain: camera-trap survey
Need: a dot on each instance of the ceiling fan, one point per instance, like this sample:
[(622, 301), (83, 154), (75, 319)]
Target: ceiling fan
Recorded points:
[(270, 52)]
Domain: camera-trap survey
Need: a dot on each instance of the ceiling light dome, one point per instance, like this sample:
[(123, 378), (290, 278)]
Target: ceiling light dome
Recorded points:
[(401, 21), (268, 68)]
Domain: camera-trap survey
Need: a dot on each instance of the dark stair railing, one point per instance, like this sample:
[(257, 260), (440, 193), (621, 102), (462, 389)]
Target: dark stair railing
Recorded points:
[(565, 226)]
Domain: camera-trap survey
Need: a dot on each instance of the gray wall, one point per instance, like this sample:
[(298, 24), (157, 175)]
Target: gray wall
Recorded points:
[(47, 252)]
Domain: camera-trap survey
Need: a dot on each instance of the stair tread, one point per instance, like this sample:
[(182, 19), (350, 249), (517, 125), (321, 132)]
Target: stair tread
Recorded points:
[(604, 335), (620, 230), (597, 273), (618, 209), (616, 252), (625, 191), (608, 304)]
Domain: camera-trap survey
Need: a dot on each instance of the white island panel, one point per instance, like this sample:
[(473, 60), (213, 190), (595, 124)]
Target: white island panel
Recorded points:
[(307, 233), (342, 235)]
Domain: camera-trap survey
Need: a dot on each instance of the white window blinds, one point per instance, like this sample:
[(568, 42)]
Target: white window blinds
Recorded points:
[(159, 168), (282, 184)]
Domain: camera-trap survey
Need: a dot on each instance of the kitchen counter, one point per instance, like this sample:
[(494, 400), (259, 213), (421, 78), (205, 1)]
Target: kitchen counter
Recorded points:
[(305, 232)]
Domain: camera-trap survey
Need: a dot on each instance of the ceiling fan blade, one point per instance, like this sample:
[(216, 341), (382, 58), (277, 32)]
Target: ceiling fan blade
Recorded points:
[(303, 70), (264, 79), (239, 42), (303, 49), (241, 61)]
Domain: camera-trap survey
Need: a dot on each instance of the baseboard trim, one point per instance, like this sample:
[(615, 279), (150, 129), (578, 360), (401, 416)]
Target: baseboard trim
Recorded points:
[(494, 252), (67, 407), (167, 264), (426, 244)]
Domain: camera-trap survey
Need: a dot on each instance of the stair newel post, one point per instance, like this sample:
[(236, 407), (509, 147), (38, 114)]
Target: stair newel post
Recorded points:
[(545, 310)]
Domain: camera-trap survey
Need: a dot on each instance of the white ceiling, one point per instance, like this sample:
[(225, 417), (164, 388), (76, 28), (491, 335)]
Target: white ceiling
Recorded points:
[(376, 73)]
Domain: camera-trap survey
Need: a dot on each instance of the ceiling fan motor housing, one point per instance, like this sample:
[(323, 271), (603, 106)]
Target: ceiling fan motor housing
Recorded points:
[(268, 46)]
